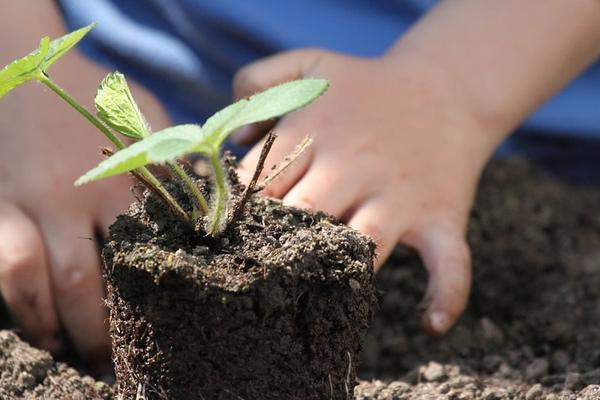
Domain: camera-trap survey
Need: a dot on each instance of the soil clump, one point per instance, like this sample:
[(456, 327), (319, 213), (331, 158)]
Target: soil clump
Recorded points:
[(275, 308)]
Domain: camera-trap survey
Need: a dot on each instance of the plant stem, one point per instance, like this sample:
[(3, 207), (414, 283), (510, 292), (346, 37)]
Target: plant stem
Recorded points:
[(221, 193), (148, 177), (154, 185), (192, 187), (87, 115)]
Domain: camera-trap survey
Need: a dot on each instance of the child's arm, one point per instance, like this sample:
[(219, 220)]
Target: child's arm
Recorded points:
[(400, 140), (49, 264)]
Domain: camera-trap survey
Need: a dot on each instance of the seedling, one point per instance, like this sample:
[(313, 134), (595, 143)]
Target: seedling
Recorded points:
[(117, 112)]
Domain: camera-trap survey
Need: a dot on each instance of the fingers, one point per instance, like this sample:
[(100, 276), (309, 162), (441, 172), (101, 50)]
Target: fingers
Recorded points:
[(284, 144), (24, 278), (250, 133), (323, 188), (442, 247), (261, 75), (77, 284), (272, 70), (447, 259), (377, 219)]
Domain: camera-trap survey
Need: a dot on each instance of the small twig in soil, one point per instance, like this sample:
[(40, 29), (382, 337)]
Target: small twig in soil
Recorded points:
[(285, 163), (347, 382), (141, 392), (233, 394), (250, 189)]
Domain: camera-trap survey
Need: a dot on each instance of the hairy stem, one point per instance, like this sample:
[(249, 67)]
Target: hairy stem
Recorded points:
[(79, 108), (219, 202), (148, 178), (154, 184), (191, 186)]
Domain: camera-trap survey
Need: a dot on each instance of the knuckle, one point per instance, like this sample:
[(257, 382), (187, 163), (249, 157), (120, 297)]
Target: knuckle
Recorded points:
[(304, 202), (18, 260), (72, 279), (313, 52), (375, 232), (460, 257), (244, 80)]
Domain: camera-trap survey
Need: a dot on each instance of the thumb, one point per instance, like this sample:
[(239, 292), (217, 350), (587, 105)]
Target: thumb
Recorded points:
[(447, 258), (263, 74)]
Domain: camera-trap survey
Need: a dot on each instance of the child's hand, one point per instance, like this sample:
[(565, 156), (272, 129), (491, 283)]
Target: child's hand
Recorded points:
[(400, 141), (397, 153), (49, 260), (49, 255)]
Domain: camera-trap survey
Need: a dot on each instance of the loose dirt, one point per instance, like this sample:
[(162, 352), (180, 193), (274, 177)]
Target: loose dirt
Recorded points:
[(28, 373), (532, 327)]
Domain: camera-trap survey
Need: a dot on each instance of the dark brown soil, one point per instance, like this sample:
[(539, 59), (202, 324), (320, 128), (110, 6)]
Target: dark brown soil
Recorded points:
[(534, 313), (532, 329), (28, 373), (277, 308)]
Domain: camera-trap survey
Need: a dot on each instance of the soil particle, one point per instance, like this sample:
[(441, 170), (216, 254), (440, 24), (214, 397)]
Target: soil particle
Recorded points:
[(536, 392), (432, 372), (537, 369)]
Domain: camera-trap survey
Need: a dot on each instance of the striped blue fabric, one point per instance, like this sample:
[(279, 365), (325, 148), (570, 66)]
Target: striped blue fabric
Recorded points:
[(186, 52)]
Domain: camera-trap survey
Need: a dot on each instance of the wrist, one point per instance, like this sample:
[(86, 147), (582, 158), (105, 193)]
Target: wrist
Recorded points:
[(475, 125)]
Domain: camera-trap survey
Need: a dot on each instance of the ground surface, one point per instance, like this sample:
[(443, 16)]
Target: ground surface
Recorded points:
[(532, 329), (28, 373)]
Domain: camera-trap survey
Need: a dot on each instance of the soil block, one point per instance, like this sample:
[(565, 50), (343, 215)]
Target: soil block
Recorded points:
[(274, 309)]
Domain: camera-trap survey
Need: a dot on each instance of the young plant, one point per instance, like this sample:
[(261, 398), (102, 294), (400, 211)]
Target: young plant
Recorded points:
[(117, 111), (34, 67)]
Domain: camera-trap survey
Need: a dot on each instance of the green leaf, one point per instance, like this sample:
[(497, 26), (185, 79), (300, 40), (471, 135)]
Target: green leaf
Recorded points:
[(275, 102), (172, 143), (117, 108), (59, 46), (24, 69), (37, 62), (165, 145), (214, 125)]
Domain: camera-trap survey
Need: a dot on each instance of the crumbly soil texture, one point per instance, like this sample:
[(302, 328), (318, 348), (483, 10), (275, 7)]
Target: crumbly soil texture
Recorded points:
[(532, 327), (32, 374)]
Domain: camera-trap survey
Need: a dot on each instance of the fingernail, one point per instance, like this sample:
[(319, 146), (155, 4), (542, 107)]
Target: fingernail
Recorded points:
[(240, 135), (439, 322)]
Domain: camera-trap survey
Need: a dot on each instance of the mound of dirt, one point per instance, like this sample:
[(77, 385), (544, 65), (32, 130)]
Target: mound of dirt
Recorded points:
[(28, 373), (533, 321)]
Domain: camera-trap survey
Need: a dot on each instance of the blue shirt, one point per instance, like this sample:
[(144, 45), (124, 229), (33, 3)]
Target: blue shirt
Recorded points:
[(186, 52)]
